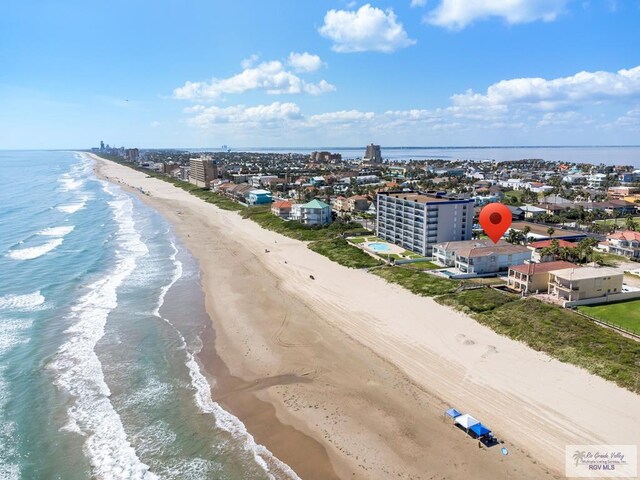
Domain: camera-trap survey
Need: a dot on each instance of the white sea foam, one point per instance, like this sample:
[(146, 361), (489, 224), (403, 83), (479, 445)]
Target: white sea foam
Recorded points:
[(79, 371), (71, 207), (70, 183), (57, 231), (34, 252), (177, 273), (11, 333), (264, 459), (22, 302), (9, 468), (226, 421), (193, 468), (157, 437)]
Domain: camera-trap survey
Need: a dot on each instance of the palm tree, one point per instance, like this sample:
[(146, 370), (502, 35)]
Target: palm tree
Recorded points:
[(551, 231), (630, 223), (513, 236), (525, 232)]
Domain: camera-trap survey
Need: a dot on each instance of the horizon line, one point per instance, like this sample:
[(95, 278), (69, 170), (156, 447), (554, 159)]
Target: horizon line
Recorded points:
[(396, 147)]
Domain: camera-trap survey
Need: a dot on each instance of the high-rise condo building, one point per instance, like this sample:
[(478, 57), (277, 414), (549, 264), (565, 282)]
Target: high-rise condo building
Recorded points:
[(372, 154), (202, 170), (417, 221)]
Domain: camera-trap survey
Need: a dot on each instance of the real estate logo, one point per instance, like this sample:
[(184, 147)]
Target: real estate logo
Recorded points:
[(600, 461)]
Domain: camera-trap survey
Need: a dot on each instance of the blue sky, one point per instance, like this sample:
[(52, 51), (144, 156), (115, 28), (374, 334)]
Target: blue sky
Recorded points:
[(319, 73)]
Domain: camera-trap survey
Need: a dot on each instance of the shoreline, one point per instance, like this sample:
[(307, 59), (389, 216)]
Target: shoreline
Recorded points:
[(381, 417)]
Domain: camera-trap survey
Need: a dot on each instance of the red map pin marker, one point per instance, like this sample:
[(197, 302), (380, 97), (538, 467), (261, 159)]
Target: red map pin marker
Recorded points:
[(495, 219)]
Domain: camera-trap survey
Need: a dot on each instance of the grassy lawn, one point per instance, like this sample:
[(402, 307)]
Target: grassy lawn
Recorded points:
[(341, 252), (484, 281), (558, 332), (625, 314), (422, 266), (612, 260), (262, 216), (514, 193), (358, 240), (412, 255), (617, 221), (417, 282)]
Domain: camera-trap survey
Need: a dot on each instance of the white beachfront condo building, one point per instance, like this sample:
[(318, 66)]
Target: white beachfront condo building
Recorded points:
[(417, 221)]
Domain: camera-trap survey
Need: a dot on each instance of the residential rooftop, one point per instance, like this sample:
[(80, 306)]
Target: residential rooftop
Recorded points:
[(533, 268), (487, 251), (548, 243), (540, 229), (584, 273)]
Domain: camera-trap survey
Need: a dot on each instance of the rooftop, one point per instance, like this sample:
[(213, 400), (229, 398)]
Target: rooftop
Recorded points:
[(467, 244), (315, 203), (548, 243), (627, 235), (538, 229), (421, 197), (506, 249), (584, 273), (533, 268)]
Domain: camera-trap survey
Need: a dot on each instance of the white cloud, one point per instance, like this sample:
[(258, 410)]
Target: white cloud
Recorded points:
[(155, 124), (341, 117), (583, 87), (249, 61), (367, 29), (457, 14), (418, 3), (304, 62), (631, 119), (272, 77), (207, 117)]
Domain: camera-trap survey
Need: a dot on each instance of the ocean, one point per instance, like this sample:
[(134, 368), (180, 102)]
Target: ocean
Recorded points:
[(607, 155), (101, 312)]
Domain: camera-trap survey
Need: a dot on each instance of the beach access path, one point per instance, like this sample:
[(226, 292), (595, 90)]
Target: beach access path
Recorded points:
[(366, 368)]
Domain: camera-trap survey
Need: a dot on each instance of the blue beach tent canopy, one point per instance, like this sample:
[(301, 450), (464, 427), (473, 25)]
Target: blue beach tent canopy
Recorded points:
[(453, 413), (479, 429)]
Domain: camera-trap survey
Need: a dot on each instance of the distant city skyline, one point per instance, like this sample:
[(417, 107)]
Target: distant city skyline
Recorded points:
[(412, 72)]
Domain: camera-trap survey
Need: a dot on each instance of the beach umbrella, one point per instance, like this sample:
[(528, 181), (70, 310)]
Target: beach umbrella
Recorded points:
[(466, 421), (479, 429), (453, 413)]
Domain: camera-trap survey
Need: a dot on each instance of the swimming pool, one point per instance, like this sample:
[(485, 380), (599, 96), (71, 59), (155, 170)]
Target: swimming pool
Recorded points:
[(379, 247)]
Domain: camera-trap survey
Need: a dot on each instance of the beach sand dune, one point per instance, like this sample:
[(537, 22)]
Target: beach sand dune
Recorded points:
[(346, 376)]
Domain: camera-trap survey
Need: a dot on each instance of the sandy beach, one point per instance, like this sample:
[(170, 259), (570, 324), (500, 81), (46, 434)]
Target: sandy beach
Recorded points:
[(347, 376)]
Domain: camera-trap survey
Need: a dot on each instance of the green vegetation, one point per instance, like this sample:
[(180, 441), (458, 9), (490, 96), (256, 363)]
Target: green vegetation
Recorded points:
[(417, 282), (623, 314), (561, 333), (411, 255), (262, 216), (483, 281), (621, 222), (611, 259), (421, 266), (477, 300), (203, 193), (358, 240), (340, 251)]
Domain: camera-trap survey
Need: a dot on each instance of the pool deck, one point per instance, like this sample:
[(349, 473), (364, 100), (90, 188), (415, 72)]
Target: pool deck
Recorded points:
[(392, 248)]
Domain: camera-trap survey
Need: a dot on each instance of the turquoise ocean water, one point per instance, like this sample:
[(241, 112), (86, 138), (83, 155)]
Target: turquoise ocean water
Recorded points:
[(100, 315)]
